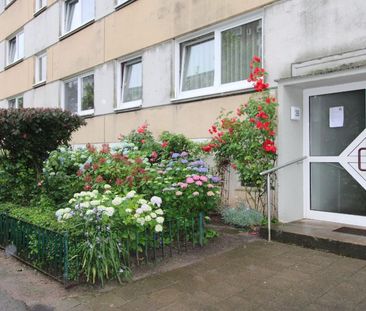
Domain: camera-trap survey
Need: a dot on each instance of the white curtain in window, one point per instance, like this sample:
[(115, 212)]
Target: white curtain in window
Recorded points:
[(20, 45), (72, 14), (238, 46), (12, 50), (71, 95), (132, 86), (198, 65), (87, 96)]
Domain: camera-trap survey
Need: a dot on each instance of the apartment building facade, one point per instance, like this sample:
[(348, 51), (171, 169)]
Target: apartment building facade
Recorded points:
[(176, 63)]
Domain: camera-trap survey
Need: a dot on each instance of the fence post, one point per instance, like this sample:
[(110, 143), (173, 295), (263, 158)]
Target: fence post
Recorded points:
[(201, 228), (66, 258)]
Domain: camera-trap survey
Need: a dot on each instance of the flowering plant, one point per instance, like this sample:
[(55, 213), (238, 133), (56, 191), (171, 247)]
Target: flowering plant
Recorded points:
[(245, 140)]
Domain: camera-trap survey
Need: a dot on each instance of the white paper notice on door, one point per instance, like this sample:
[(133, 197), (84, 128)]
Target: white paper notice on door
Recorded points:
[(336, 116)]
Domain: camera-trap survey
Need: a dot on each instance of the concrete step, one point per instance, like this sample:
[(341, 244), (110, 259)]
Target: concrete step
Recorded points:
[(319, 235)]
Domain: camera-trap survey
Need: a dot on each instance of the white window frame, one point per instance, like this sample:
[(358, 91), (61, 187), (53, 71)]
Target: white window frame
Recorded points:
[(16, 101), (79, 79), (8, 2), (37, 78), (217, 30), (82, 23), (39, 5), (120, 81), (120, 2), (19, 55)]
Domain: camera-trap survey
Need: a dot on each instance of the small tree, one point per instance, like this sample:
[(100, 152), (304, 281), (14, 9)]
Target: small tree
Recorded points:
[(28, 135), (246, 140)]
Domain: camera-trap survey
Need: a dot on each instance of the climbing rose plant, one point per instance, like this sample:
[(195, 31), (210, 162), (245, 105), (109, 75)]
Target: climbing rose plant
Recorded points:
[(245, 139)]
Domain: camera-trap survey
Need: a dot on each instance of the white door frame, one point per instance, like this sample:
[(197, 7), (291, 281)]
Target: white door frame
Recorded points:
[(325, 216)]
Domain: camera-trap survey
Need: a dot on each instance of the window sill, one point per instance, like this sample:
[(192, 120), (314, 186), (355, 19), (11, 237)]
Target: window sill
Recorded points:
[(127, 109), (39, 84), (120, 6), (13, 64), (9, 5), (187, 99), (40, 11), (72, 32), (86, 114)]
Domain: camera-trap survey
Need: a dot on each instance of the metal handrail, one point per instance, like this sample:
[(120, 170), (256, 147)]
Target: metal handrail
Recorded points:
[(268, 173)]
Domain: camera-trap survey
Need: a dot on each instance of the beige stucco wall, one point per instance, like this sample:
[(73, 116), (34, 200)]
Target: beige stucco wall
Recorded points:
[(192, 119), (17, 79), (9, 23)]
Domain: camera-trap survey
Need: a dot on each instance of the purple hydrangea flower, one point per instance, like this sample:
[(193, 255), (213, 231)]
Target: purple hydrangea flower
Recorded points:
[(175, 155), (215, 179), (184, 161)]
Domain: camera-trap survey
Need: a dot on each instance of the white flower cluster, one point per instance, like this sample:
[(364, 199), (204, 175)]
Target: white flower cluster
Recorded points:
[(87, 204), (64, 214)]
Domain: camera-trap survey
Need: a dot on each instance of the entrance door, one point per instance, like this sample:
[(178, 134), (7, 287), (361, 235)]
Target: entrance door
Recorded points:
[(336, 146)]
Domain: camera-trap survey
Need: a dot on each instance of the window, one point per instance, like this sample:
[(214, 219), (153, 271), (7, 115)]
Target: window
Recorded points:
[(77, 13), (8, 2), (79, 94), (131, 86), (119, 2), (15, 48), (40, 4), (219, 60), (41, 68), (15, 102)]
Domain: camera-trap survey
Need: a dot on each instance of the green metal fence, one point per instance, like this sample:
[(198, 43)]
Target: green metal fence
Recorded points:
[(53, 253)]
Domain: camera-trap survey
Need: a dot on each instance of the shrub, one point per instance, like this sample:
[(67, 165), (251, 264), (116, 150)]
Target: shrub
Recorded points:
[(242, 216), (28, 135)]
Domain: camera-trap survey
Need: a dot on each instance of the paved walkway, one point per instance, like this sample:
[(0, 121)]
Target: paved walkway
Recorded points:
[(257, 276)]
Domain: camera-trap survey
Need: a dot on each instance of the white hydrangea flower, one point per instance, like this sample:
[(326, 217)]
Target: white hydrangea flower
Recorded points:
[(128, 210), (108, 192), (131, 194), (156, 201), (66, 216), (117, 201), (72, 201), (89, 212), (109, 211), (160, 220), (142, 201), (153, 215), (67, 210), (85, 204), (147, 218), (159, 211), (145, 208), (158, 228), (95, 202), (107, 187), (139, 211), (140, 221), (59, 213)]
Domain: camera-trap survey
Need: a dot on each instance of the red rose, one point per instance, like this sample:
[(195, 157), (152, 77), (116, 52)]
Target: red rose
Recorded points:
[(165, 144)]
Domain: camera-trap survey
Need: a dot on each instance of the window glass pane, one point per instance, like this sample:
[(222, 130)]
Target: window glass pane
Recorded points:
[(331, 141), (43, 69), (132, 86), (72, 14), (238, 46), (20, 45), (71, 95), (12, 50), (20, 102), (87, 96), (87, 10), (12, 103), (198, 65)]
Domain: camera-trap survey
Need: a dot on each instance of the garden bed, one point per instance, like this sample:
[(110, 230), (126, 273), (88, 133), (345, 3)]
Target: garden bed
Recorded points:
[(55, 254)]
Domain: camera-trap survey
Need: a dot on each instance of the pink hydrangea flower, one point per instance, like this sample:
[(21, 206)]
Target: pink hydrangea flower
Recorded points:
[(203, 178), (199, 183), (210, 186), (195, 177), (183, 185), (189, 180), (196, 193)]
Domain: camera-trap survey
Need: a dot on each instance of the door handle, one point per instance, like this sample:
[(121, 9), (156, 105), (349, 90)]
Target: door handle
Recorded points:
[(359, 159)]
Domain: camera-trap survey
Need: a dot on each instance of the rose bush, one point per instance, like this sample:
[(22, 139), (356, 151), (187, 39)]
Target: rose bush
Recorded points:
[(245, 139)]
